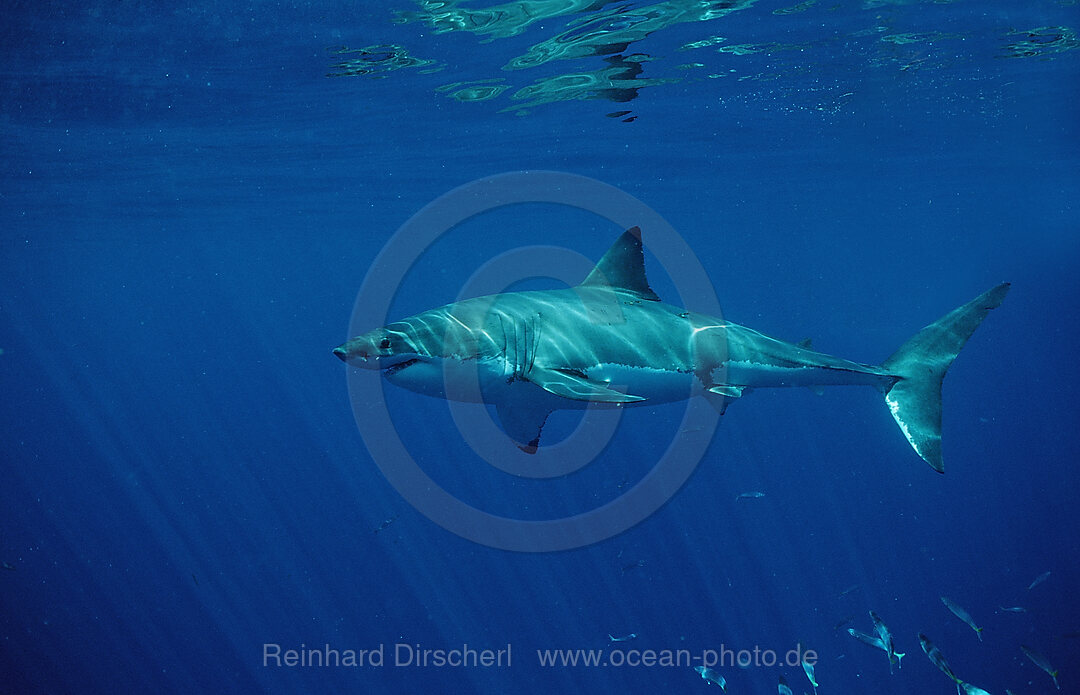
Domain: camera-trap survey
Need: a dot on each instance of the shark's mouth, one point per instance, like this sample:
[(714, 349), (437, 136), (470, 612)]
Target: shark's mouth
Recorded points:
[(395, 368)]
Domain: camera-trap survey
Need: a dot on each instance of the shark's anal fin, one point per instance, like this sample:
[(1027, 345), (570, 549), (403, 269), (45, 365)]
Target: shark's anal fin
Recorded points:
[(523, 425), (577, 387)]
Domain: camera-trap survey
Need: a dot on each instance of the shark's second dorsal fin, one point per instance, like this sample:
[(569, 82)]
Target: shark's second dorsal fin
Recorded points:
[(623, 267)]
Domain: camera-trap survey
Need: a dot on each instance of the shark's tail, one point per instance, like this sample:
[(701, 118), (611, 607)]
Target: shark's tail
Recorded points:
[(915, 397)]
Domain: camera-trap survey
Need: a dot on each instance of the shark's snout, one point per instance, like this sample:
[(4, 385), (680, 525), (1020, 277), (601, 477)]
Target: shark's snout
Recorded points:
[(356, 353)]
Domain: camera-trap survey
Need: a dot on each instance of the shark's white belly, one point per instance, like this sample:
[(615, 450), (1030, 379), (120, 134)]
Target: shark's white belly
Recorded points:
[(488, 381), (655, 385)]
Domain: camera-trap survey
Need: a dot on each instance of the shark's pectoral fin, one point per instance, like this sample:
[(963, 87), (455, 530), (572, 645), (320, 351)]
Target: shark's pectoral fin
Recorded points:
[(577, 387), (523, 424)]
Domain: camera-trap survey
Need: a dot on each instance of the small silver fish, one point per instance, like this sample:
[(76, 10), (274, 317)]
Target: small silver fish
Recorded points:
[(1042, 662), (783, 688), (883, 640), (712, 676), (1013, 609), (808, 668), (963, 615), (873, 640), (1039, 580), (847, 591), (624, 638), (886, 641), (935, 656), (938, 659), (386, 523), (749, 496)]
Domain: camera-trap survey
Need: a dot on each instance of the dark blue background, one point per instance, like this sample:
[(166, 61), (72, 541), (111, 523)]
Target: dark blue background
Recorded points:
[(188, 206)]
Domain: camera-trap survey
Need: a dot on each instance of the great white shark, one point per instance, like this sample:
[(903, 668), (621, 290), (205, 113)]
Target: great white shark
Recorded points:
[(611, 340)]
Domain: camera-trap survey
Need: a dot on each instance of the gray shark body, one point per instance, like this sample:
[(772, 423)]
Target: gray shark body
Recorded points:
[(610, 340)]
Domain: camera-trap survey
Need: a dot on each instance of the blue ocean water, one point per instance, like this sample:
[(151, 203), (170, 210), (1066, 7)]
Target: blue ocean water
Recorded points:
[(191, 197)]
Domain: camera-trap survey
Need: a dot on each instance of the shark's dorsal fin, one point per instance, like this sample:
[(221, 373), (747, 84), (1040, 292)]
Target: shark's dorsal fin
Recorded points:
[(623, 267)]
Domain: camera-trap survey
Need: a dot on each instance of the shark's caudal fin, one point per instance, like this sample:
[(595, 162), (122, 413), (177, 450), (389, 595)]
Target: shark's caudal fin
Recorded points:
[(915, 398)]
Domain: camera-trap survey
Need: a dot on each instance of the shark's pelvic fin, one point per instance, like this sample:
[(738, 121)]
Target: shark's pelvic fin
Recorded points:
[(915, 398), (727, 390), (719, 402), (577, 387), (623, 267)]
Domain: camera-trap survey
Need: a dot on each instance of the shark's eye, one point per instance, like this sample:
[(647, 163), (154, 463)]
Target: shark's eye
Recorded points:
[(384, 344)]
